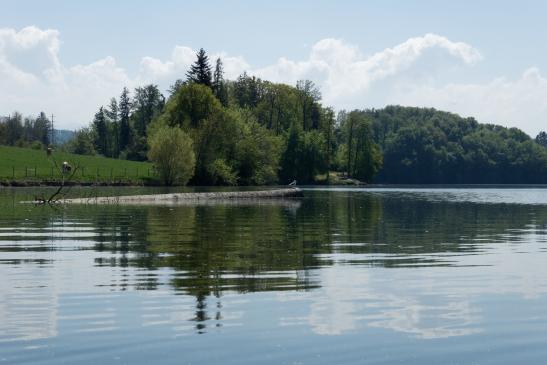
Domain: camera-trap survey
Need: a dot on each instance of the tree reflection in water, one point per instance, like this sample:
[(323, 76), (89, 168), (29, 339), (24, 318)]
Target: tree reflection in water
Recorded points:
[(207, 250)]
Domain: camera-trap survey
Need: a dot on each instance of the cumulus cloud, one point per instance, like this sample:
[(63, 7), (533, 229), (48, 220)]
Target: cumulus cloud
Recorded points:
[(513, 103), (158, 71), (417, 71), (344, 70), (34, 79)]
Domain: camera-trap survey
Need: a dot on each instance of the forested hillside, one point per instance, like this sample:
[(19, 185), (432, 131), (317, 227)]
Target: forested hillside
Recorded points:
[(428, 146)]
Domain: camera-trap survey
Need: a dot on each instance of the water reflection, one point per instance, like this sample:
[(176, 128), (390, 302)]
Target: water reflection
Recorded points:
[(343, 261)]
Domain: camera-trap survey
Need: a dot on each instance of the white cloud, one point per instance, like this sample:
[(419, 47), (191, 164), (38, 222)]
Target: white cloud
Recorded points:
[(419, 71), (521, 102), (34, 79), (166, 72), (346, 71), (156, 69)]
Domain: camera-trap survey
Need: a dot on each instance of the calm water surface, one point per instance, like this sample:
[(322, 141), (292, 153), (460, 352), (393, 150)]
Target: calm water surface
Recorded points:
[(343, 276)]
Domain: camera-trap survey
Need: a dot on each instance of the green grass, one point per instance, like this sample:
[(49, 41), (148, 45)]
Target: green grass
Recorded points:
[(28, 164)]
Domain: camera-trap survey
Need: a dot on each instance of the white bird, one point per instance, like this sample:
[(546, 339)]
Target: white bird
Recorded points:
[(66, 167), (293, 183)]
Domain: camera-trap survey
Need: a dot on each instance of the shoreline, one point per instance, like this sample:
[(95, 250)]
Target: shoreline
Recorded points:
[(175, 198)]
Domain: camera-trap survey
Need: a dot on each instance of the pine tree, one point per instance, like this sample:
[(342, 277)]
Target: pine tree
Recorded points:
[(200, 71), (124, 110), (42, 129), (112, 111), (101, 131), (219, 87), (114, 128)]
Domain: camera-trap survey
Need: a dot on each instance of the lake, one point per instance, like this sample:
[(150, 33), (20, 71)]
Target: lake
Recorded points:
[(342, 276)]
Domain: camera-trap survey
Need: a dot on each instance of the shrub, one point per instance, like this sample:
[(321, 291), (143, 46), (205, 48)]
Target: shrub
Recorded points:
[(172, 153)]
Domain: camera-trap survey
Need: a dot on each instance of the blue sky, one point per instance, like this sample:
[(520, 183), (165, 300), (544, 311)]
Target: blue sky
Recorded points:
[(481, 58)]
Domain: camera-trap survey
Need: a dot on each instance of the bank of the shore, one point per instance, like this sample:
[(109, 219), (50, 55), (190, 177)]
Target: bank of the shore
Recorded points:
[(174, 198)]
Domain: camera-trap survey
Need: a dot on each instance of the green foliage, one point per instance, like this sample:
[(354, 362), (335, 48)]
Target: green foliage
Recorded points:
[(41, 129), (36, 145), (147, 103), (16, 132), (137, 150), (100, 130), (200, 71), (13, 129), (25, 163), (304, 156), (541, 139), (172, 153), (429, 146), (198, 112), (219, 86), (190, 105), (124, 110), (362, 158), (220, 173), (175, 87), (81, 143), (247, 91), (112, 115), (278, 107), (257, 152), (231, 147), (308, 97)]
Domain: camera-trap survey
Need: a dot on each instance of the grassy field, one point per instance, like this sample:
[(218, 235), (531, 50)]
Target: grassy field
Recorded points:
[(23, 164)]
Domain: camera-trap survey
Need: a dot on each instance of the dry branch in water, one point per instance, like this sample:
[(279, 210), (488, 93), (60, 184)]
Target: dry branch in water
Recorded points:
[(64, 170)]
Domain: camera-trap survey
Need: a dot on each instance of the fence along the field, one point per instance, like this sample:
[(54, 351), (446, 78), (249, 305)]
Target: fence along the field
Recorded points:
[(18, 172)]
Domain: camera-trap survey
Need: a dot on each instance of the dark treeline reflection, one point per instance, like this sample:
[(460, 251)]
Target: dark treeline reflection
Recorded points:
[(205, 250), (250, 247), (205, 243)]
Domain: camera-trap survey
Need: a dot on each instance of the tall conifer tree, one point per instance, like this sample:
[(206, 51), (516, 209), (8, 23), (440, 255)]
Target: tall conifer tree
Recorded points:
[(101, 131), (200, 71), (124, 110), (219, 87)]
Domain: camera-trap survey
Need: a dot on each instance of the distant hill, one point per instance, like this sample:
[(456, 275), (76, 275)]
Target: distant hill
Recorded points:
[(428, 146), (63, 135)]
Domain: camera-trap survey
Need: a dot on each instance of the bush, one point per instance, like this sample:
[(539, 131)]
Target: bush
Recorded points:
[(81, 143), (222, 173), (36, 145), (172, 153)]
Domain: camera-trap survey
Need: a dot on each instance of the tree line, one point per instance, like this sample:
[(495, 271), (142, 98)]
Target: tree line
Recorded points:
[(248, 131), (35, 132), (211, 131), (424, 146)]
